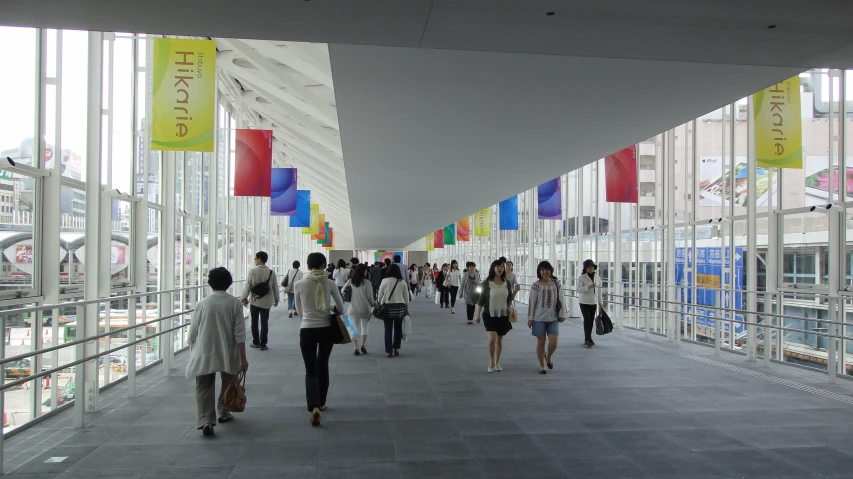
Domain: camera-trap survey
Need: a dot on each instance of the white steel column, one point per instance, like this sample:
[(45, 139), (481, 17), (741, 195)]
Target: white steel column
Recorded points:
[(167, 253), (87, 383), (751, 260), (673, 332)]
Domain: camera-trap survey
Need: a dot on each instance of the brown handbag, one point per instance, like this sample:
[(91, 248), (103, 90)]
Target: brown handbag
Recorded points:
[(235, 394)]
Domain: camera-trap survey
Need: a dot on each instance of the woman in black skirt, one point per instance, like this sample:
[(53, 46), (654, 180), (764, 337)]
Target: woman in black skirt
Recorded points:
[(494, 305)]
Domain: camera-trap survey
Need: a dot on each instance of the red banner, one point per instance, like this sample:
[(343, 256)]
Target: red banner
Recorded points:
[(620, 175), (439, 238), (253, 163)]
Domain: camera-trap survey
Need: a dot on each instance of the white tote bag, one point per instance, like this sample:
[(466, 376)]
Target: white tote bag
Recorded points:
[(407, 328)]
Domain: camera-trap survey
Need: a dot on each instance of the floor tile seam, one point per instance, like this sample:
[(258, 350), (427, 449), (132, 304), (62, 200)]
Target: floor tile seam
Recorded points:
[(744, 371)]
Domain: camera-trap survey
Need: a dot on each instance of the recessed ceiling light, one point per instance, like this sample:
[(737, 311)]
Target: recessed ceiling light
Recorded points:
[(550, 14), (771, 27)]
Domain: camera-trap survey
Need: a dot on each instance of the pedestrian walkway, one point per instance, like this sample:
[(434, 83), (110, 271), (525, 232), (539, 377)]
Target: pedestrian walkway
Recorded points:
[(627, 408)]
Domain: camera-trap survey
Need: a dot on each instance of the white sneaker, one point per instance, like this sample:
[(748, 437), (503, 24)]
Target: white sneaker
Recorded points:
[(491, 370)]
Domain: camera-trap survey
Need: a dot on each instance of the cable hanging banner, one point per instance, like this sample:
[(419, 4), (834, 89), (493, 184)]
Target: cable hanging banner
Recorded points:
[(550, 205), (508, 214), (253, 163), (283, 192), (321, 234), (183, 95), (620, 176), (482, 223), (302, 218), (463, 229), (777, 118)]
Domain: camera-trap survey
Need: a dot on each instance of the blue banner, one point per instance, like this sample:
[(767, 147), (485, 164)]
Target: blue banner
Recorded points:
[(508, 211), (283, 192), (302, 218), (550, 204), (710, 263)]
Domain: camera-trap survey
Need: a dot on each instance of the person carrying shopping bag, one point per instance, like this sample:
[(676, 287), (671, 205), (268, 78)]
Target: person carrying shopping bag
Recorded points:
[(393, 308), (590, 297)]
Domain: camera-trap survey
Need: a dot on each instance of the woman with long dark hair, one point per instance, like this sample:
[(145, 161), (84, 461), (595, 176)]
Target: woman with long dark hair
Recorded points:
[(341, 274), (428, 280), (544, 313), (441, 284), (394, 294), (494, 305), (589, 297), (413, 279), (360, 306), (453, 280)]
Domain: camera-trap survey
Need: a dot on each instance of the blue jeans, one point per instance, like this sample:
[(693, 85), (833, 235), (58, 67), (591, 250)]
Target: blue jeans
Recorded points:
[(397, 325), (291, 301)]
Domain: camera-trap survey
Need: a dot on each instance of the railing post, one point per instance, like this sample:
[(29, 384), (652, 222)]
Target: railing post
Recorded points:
[(168, 346), (831, 367), (718, 324), (3, 393), (645, 294), (80, 371), (131, 348), (769, 320)]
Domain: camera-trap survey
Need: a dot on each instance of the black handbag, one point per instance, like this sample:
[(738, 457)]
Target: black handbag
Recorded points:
[(603, 324), (262, 289), (390, 310)]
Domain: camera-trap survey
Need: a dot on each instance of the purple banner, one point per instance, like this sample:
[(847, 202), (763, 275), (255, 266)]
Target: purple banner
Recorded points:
[(283, 192), (550, 204)]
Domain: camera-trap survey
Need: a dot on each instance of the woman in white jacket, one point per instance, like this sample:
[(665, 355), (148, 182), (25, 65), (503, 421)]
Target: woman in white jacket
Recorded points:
[(360, 306), (393, 291), (589, 297)]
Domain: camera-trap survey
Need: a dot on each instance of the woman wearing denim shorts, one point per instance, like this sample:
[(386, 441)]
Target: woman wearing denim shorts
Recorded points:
[(544, 313)]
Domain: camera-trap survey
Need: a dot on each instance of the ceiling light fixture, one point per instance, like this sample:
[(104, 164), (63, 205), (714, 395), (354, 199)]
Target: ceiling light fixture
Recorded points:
[(551, 14), (771, 27)]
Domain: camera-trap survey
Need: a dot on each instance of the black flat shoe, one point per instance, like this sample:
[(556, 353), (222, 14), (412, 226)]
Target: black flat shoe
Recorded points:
[(363, 350), (396, 352), (591, 342), (550, 365), (389, 355), (357, 352), (207, 430), (542, 371)]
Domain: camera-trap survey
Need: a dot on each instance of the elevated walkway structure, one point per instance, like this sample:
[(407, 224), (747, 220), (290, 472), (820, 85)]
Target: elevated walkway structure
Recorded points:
[(629, 407)]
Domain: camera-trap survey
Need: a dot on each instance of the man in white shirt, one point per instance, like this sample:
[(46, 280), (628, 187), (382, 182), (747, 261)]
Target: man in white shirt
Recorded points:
[(261, 304)]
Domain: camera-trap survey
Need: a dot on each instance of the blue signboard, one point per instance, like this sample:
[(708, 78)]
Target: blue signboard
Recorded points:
[(710, 263)]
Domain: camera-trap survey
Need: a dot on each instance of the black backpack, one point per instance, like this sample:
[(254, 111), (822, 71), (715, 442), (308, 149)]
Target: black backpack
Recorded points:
[(261, 289)]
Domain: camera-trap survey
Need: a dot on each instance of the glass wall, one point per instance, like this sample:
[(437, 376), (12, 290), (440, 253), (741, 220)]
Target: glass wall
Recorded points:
[(46, 255), (681, 260)]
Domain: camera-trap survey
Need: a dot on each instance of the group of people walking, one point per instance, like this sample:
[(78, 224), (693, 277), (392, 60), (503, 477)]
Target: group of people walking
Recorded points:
[(217, 333)]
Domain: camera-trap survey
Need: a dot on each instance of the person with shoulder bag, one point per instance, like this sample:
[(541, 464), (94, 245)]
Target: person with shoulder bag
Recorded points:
[(545, 312), (261, 287), (495, 304), (293, 276), (589, 298), (468, 289), (393, 308), (358, 297), (317, 333), (217, 339)]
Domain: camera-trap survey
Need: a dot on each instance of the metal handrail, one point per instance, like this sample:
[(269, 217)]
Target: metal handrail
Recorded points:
[(57, 369), (717, 308), (84, 302), (762, 325), (89, 338)]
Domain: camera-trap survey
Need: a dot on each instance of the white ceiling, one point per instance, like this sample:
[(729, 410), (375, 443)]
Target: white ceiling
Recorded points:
[(486, 98)]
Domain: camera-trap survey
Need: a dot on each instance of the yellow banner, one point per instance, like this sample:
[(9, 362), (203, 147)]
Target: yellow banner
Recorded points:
[(778, 125), (482, 222), (315, 221), (430, 242), (183, 89)]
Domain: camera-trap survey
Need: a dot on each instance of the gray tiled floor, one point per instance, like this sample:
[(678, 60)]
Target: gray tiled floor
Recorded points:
[(620, 410)]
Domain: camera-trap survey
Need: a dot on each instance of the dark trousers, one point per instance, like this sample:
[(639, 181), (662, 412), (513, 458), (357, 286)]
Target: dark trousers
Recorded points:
[(397, 326), (471, 309), (413, 287), (443, 298), (454, 291), (588, 313), (316, 345), (260, 337)]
